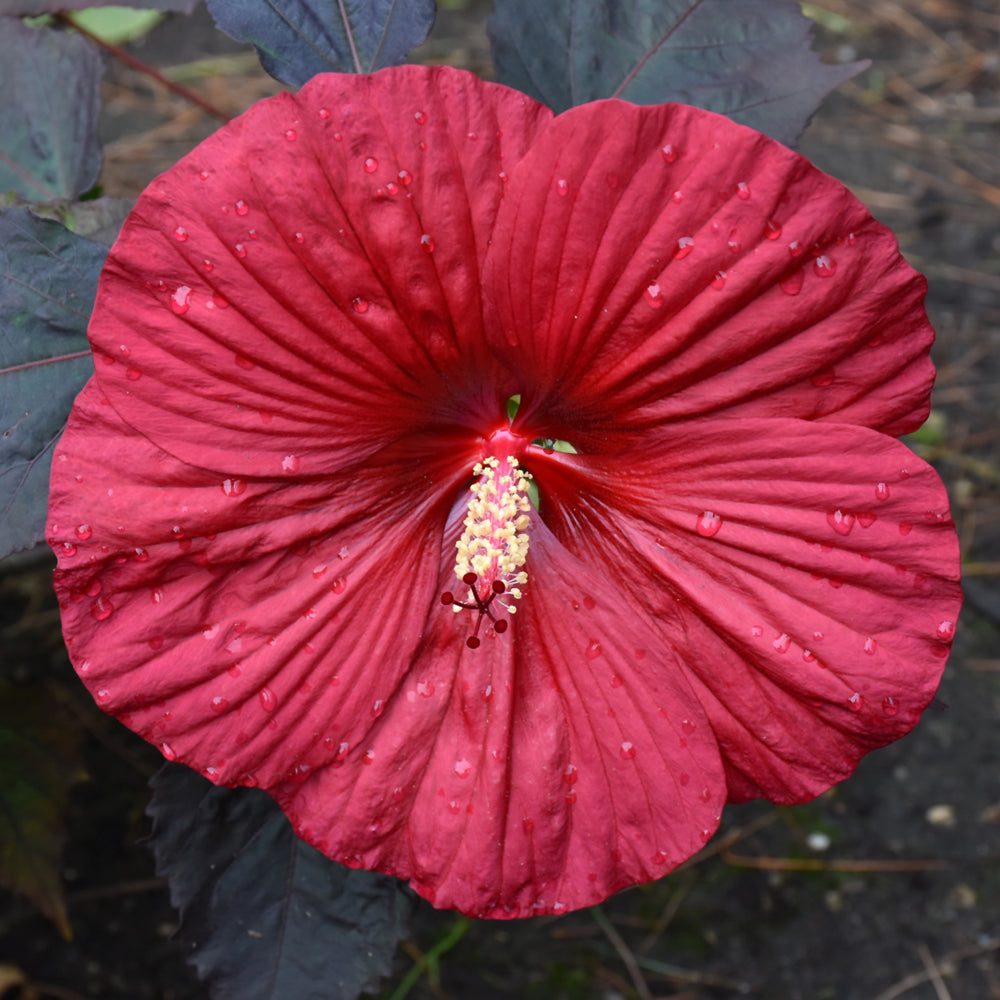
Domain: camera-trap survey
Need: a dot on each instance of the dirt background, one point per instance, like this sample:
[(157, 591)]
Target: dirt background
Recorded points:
[(889, 885)]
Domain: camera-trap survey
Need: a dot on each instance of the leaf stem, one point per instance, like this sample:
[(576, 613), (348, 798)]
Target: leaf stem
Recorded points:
[(137, 64), (429, 961)]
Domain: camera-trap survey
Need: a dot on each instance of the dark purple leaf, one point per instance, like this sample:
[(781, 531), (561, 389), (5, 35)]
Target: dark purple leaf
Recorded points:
[(267, 916), (48, 118), (35, 8), (750, 60), (48, 279), (296, 39)]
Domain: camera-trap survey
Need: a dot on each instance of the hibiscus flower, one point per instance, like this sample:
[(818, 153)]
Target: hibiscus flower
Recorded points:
[(504, 493)]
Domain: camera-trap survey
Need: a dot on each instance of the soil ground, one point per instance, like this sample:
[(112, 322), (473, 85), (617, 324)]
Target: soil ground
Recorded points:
[(905, 899)]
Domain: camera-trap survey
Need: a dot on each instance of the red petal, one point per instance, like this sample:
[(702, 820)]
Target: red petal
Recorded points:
[(632, 286), (807, 577), (291, 279), (539, 773)]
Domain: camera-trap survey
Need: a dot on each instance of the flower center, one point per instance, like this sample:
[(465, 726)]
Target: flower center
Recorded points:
[(494, 545)]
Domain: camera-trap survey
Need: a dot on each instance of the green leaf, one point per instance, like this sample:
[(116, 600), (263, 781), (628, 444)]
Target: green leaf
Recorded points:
[(296, 39), (117, 24), (750, 60), (36, 8), (48, 118), (48, 280), (268, 917), (39, 763)]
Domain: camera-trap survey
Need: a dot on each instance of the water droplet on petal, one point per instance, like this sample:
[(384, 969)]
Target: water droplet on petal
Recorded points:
[(570, 775), (841, 521), (233, 487), (684, 246), (68, 549), (889, 705), (405, 177), (782, 643), (427, 243), (905, 527), (371, 165), (83, 531), (180, 301), (290, 463), (268, 702), (242, 207), (653, 296), (180, 234), (291, 135), (743, 190), (866, 518), (719, 281), (168, 751), (708, 524), (420, 116), (792, 284), (627, 750), (101, 609), (871, 646), (219, 704), (669, 153), (359, 305), (241, 250), (772, 229), (687, 727), (368, 757), (562, 187), (824, 378), (881, 491), (660, 858), (463, 768), (795, 248), (946, 631), (855, 702), (593, 650), (825, 266), (324, 112)]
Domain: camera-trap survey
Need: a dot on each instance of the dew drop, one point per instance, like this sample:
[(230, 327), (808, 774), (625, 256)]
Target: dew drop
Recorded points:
[(359, 305), (792, 284), (219, 704), (593, 650), (889, 705), (405, 178), (180, 301), (268, 702), (324, 112), (684, 246), (368, 757), (855, 702), (242, 207), (208, 265), (772, 229), (905, 527), (743, 191), (339, 586), (841, 521), (245, 363), (627, 750), (425, 689), (180, 234), (824, 378), (719, 281), (660, 858), (946, 631), (708, 524), (420, 117), (291, 135), (677, 197), (233, 487), (68, 549), (290, 463), (241, 250), (795, 248), (299, 238), (653, 296), (427, 243), (866, 518), (617, 680), (782, 643), (669, 153), (168, 751), (463, 768), (218, 301), (570, 775), (825, 266), (687, 727), (83, 531), (371, 165), (101, 609), (871, 646), (881, 491)]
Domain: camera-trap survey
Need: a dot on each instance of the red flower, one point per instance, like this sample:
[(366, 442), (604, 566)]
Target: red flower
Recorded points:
[(307, 340)]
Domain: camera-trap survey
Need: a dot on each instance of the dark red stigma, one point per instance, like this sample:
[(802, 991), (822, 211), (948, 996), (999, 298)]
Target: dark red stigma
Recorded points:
[(480, 605)]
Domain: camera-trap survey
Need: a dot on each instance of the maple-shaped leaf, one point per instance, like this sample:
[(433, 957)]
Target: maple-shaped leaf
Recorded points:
[(750, 60)]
